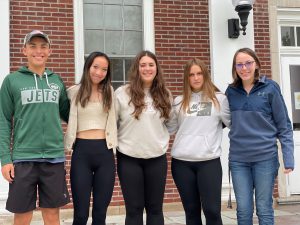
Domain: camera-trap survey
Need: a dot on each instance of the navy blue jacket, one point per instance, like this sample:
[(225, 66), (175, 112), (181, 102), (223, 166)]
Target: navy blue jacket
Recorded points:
[(258, 119)]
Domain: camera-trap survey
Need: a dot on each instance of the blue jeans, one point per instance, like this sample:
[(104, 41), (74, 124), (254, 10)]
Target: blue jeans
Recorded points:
[(254, 177)]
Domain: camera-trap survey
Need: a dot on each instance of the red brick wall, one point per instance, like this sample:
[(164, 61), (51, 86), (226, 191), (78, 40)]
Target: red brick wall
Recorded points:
[(181, 32), (54, 17), (262, 35)]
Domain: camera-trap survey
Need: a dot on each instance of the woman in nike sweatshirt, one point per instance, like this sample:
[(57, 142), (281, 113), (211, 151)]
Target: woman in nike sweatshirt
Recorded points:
[(142, 107), (197, 118)]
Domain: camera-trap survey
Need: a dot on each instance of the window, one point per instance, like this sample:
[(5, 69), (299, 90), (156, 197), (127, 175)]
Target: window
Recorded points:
[(290, 36), (116, 28)]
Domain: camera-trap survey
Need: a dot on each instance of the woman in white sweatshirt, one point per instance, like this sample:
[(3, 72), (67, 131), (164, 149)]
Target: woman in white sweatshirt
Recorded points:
[(142, 108), (196, 168)]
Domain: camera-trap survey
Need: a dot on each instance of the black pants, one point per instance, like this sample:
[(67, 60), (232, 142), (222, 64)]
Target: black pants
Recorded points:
[(199, 184), (92, 170), (143, 185)]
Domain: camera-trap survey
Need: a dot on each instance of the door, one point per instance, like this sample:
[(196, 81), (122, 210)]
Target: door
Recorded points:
[(290, 77)]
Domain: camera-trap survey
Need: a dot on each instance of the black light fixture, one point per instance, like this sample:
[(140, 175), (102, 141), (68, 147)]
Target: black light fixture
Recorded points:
[(243, 8)]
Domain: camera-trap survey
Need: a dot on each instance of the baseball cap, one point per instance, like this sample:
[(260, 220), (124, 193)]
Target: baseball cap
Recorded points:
[(36, 33)]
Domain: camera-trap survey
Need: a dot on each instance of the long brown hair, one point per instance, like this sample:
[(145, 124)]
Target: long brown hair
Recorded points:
[(85, 90), (236, 79), (208, 89), (158, 90)]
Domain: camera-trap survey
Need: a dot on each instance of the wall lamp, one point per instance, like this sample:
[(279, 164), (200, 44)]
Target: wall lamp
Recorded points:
[(243, 8)]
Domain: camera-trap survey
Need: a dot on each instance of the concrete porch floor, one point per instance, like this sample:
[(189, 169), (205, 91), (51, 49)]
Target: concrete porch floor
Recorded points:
[(284, 215)]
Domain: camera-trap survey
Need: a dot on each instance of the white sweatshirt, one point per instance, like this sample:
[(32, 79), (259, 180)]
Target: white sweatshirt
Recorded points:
[(146, 137), (199, 129)]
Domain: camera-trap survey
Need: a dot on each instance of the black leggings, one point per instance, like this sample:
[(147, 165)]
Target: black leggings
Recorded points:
[(143, 185), (199, 183), (92, 170)]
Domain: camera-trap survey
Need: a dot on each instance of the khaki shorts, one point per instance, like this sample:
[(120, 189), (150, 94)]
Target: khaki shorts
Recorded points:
[(32, 179)]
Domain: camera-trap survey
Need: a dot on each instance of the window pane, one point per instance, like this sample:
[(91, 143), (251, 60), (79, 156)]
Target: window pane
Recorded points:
[(287, 36), (117, 69), (92, 16), (113, 17), (128, 63), (133, 42), (132, 2), (117, 84), (131, 13), (93, 41), (298, 36), (92, 1), (114, 42), (295, 95), (120, 2)]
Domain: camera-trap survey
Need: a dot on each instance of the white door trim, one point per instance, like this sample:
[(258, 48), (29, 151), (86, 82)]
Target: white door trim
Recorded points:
[(292, 181)]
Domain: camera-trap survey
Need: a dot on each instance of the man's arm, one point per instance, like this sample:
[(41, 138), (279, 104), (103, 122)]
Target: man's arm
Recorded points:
[(64, 104)]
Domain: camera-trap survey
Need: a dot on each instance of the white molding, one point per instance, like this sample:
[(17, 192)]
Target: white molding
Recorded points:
[(148, 14), (288, 15), (288, 10), (223, 48), (78, 39), (4, 70), (289, 183), (4, 39)]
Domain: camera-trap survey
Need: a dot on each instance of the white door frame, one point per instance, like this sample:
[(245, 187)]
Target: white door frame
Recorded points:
[(293, 182), (287, 14)]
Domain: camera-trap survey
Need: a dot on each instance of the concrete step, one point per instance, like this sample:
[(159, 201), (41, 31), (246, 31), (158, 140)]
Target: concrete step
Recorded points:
[(294, 199)]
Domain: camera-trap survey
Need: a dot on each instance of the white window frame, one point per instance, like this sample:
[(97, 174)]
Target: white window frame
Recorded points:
[(290, 18), (148, 26), (4, 39)]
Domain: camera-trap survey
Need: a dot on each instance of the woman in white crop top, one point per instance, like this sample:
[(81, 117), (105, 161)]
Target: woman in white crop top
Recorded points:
[(92, 134)]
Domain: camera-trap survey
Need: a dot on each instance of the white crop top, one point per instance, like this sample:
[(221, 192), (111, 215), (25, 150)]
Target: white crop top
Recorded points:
[(92, 116)]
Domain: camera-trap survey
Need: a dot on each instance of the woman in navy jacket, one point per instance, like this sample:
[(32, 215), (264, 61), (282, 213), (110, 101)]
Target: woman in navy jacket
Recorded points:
[(259, 117)]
